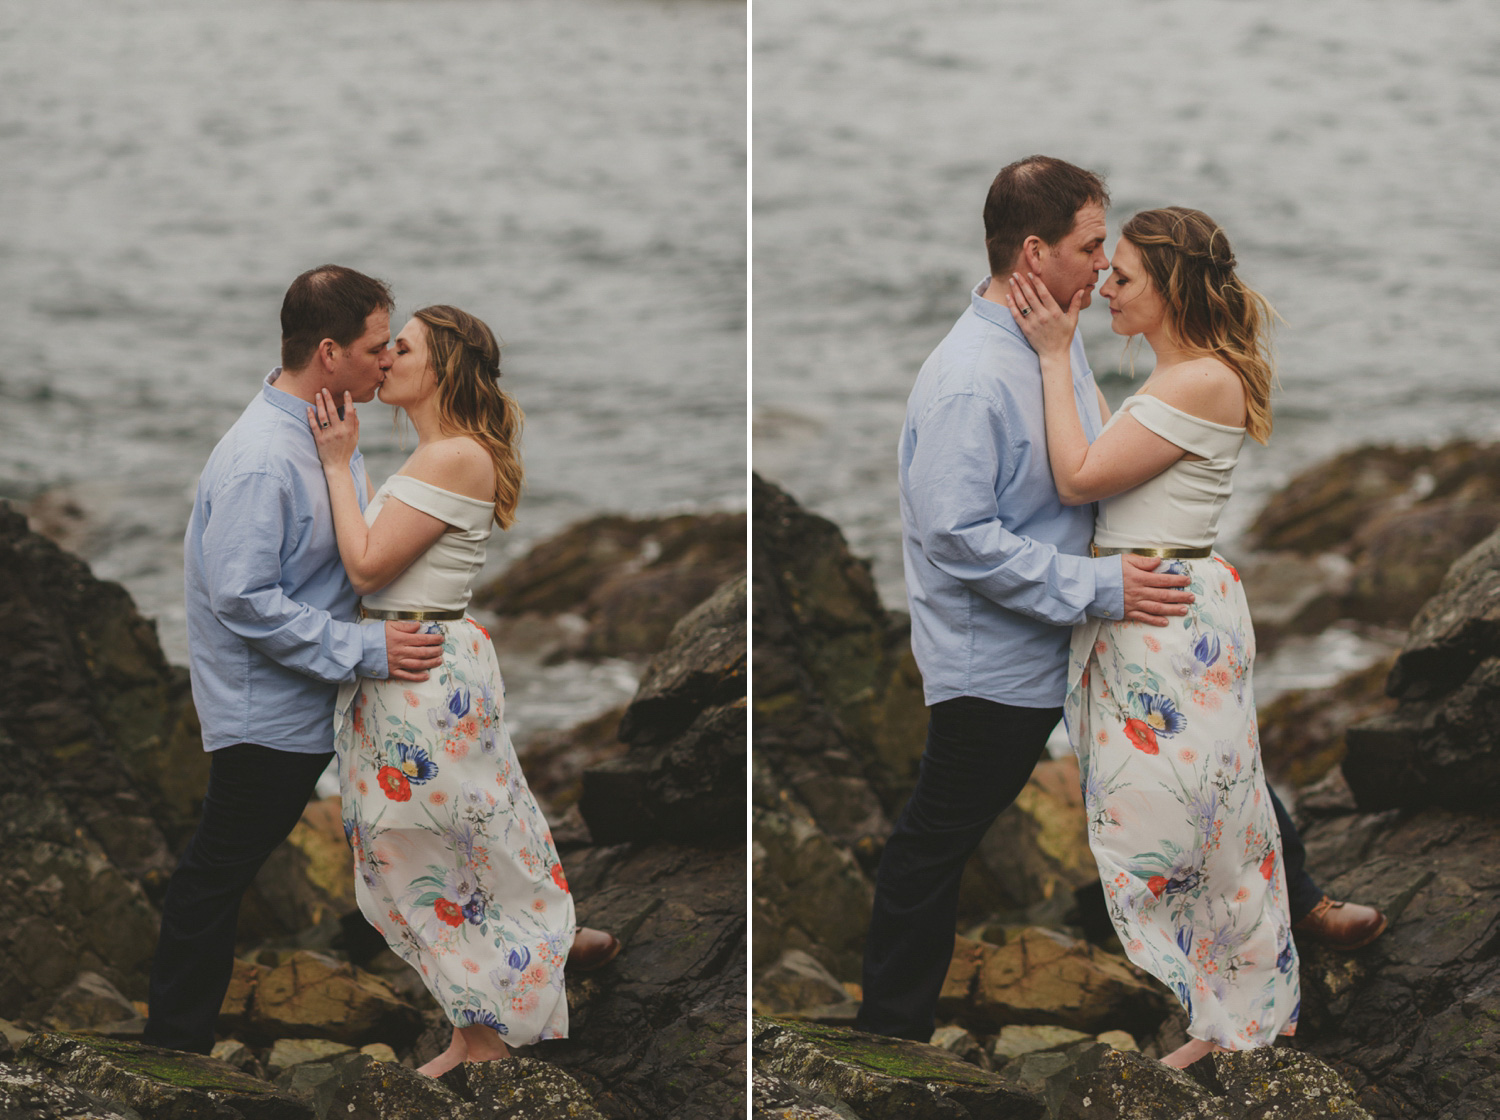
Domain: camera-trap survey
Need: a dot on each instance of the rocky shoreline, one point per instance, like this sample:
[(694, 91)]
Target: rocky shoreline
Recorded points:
[(321, 1019), (1392, 771)]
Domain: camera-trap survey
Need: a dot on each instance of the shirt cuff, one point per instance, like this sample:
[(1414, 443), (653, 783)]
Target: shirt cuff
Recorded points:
[(1109, 588), (374, 662)]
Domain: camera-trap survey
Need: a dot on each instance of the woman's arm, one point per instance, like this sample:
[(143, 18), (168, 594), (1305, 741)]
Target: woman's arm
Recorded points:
[(373, 555), (1125, 456)]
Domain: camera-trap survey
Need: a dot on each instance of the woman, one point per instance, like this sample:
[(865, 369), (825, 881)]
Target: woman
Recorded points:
[(1163, 719), (456, 864)]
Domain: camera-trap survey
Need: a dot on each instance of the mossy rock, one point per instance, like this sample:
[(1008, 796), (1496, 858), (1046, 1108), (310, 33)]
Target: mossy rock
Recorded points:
[(884, 1078), (158, 1083)]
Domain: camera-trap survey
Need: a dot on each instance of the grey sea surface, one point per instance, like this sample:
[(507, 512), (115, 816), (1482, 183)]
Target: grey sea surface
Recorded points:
[(1350, 150), (572, 171)]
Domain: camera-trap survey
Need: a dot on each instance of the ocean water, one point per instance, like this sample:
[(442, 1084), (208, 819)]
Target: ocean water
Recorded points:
[(1350, 150), (573, 171)]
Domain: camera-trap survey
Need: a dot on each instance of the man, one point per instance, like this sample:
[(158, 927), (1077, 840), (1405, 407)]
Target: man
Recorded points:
[(997, 571), (271, 634)]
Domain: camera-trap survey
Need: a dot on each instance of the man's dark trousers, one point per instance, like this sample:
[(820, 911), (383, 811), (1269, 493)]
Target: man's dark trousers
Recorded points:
[(255, 797), (979, 756)]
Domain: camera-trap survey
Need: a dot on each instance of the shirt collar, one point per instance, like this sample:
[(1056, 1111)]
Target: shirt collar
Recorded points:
[(280, 398), (996, 313)]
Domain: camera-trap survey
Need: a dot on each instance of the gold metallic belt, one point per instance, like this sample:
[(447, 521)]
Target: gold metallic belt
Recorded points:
[(417, 616), (1164, 553)]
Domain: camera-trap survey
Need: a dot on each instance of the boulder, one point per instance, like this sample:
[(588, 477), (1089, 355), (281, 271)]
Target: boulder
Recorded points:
[(1398, 516), (311, 995), (363, 1089), (796, 982), (1013, 1041), (1037, 850), (882, 1078), (659, 1032), (1441, 746), (834, 671), (158, 1083), (629, 579), (1042, 976), (683, 777), (1410, 1021), (1258, 1084), (90, 1001), (288, 1052), (521, 1089)]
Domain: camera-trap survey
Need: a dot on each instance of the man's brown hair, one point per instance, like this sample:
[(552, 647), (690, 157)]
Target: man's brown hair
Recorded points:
[(1037, 195), (329, 301)]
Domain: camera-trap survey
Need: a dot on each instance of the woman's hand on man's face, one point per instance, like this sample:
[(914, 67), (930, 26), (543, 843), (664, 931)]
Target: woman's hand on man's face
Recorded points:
[(336, 436), (1046, 326)]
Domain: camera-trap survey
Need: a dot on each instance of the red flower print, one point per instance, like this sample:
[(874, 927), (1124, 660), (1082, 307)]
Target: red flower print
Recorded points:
[(1152, 644), (1268, 865), (437, 797), (558, 877), (480, 628), (449, 912), (1230, 568), (412, 698), (1141, 736), (1156, 884), (396, 787)]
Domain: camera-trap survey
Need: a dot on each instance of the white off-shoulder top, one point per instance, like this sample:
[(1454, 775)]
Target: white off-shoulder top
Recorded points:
[(1180, 507), (441, 578)]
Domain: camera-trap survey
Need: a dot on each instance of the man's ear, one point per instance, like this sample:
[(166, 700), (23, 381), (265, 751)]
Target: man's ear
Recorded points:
[(1031, 252), (328, 352)]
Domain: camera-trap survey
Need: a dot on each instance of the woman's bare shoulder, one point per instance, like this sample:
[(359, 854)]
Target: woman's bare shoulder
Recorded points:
[(458, 463), (1203, 387)]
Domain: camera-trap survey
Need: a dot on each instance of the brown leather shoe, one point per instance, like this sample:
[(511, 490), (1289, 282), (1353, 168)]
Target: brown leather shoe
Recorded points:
[(592, 948), (1345, 926)]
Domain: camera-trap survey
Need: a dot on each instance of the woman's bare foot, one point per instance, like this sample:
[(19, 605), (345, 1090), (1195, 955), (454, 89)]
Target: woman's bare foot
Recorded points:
[(1188, 1053), (592, 948), (484, 1044), (457, 1052)]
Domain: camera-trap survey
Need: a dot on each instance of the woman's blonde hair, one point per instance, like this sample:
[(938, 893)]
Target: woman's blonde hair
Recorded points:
[(465, 359), (1210, 310)]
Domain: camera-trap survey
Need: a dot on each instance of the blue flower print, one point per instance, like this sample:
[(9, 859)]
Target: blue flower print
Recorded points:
[(474, 910), (1284, 959), (1161, 715), (484, 1019), (1207, 649), (1185, 996), (415, 763), (458, 703)]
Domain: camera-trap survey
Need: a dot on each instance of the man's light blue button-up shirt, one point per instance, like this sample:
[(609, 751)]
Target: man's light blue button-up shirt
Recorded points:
[(997, 570), (270, 612)]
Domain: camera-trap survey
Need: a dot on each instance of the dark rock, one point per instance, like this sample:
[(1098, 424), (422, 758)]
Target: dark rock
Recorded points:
[(659, 1032), (382, 1091), (26, 1094), (629, 579), (521, 1089), (159, 1084), (1439, 747), (882, 1078), (1411, 1021), (555, 761), (683, 777), (1270, 1082), (797, 981)]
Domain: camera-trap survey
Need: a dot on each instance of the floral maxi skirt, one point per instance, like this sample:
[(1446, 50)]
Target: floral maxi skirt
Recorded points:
[(454, 862), (1179, 819)]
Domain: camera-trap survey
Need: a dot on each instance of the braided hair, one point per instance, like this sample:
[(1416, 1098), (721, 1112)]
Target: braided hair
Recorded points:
[(465, 359), (1210, 310)]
